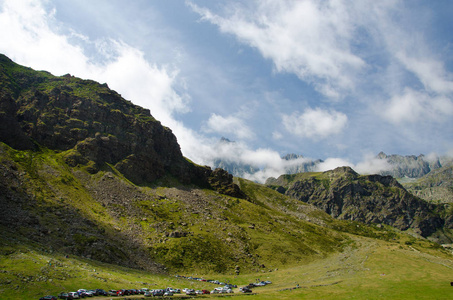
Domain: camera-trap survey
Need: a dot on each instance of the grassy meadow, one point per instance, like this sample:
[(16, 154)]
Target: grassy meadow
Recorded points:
[(367, 269)]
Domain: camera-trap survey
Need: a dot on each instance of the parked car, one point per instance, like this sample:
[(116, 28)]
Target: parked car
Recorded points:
[(48, 298), (168, 293), (63, 295), (245, 290), (148, 294), (190, 292), (198, 292), (112, 293), (89, 293), (101, 292), (73, 295), (82, 293), (172, 290), (231, 286), (205, 292), (158, 293)]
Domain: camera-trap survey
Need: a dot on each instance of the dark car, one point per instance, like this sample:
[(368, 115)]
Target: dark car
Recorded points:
[(63, 296), (101, 292), (158, 293), (245, 290), (206, 292), (48, 298)]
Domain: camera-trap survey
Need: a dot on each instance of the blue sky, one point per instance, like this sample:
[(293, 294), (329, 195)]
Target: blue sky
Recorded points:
[(336, 80)]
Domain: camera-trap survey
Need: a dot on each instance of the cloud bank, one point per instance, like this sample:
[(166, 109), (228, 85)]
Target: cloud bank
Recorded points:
[(311, 39), (315, 123)]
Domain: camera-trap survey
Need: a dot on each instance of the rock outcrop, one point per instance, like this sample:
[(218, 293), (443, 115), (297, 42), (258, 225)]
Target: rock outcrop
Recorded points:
[(408, 166), (95, 126), (346, 195)]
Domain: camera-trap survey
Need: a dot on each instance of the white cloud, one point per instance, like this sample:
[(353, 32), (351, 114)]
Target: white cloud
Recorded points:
[(315, 123), (372, 165), (429, 71), (368, 165), (311, 39), (229, 125), (332, 163), (277, 135), (34, 41), (27, 38), (414, 106), (145, 84)]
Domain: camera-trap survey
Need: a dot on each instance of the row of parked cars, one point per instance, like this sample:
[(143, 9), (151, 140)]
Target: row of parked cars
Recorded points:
[(226, 289), (190, 292), (83, 293)]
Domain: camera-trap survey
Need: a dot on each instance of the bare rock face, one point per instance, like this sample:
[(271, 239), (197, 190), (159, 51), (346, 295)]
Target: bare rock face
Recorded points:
[(222, 181), (409, 166), (95, 126), (346, 195)]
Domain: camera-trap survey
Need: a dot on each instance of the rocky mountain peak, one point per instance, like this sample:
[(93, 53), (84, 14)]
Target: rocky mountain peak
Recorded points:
[(92, 124), (346, 195)]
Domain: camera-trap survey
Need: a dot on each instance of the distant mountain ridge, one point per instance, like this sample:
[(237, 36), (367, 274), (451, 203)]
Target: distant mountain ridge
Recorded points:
[(436, 186), (344, 194), (401, 166), (409, 166)]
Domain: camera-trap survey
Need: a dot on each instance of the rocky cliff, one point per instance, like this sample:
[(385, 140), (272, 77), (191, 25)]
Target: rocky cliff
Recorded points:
[(409, 166), (346, 195), (95, 127), (436, 186)]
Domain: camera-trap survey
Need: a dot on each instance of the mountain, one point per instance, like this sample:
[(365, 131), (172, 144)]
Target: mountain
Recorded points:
[(95, 193), (401, 167), (85, 172), (409, 166), (232, 167), (436, 186), (95, 126), (305, 166), (344, 194), (292, 164)]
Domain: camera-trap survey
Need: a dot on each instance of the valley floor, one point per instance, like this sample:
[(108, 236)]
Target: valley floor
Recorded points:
[(367, 269)]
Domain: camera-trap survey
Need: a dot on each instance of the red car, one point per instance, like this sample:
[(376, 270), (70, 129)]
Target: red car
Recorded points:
[(205, 291)]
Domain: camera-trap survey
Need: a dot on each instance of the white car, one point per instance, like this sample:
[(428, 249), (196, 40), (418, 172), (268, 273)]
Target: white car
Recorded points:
[(74, 295), (190, 292), (148, 294)]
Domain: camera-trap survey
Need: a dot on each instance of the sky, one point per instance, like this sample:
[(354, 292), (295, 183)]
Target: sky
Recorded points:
[(335, 80)]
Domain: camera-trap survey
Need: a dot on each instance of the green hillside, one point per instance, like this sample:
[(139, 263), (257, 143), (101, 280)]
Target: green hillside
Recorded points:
[(95, 193)]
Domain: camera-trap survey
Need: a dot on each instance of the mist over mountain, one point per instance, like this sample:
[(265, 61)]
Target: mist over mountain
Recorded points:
[(398, 166)]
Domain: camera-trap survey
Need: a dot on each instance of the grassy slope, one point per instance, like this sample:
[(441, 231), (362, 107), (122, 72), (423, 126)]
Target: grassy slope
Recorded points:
[(222, 232), (369, 269), (374, 270), (271, 237)]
